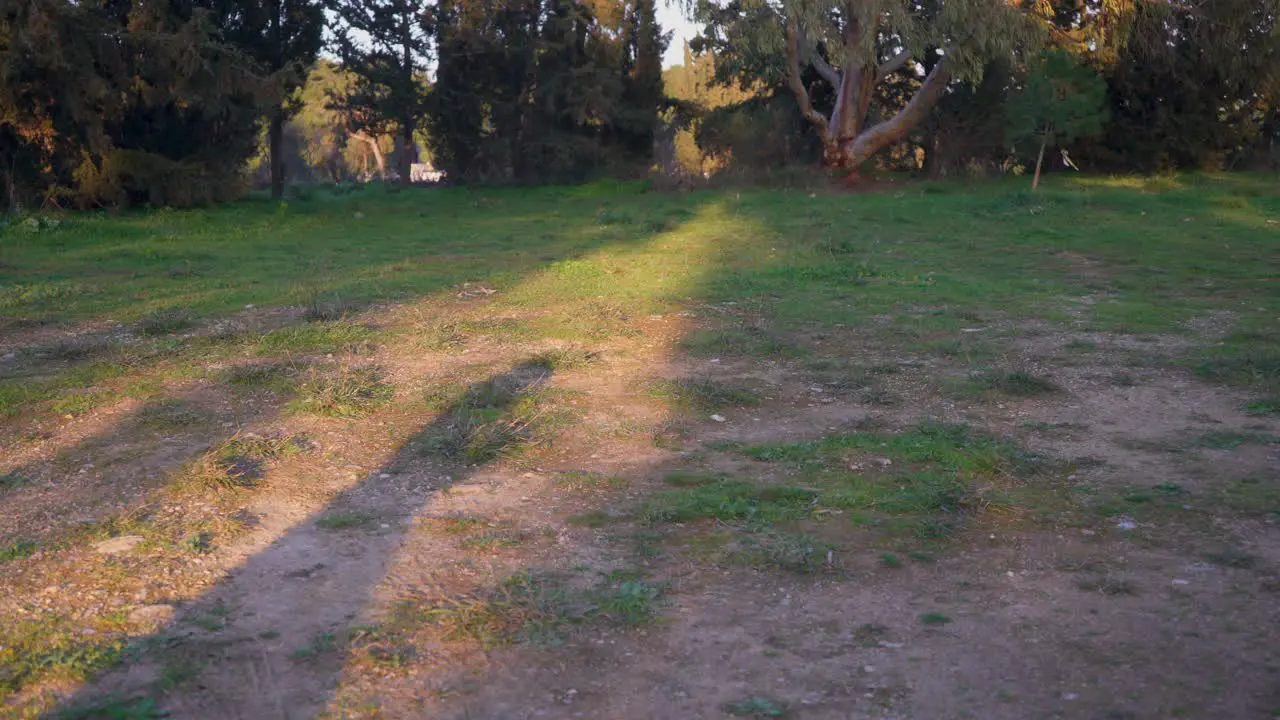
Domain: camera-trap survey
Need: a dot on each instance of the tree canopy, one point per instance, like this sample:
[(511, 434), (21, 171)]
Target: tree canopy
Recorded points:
[(123, 102)]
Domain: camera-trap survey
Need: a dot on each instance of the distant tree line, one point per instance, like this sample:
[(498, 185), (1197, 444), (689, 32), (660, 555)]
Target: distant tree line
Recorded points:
[(181, 102), (118, 102)]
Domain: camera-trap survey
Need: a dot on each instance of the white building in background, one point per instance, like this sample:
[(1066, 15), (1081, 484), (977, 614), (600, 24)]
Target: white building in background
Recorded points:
[(424, 173)]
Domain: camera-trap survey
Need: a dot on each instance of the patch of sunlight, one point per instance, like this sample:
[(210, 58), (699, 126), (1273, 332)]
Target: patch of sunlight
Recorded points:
[(1133, 182), (669, 266)]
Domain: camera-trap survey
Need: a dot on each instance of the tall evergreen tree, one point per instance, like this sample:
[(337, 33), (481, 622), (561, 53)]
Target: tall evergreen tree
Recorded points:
[(385, 44), (283, 37), (643, 95), (120, 102)]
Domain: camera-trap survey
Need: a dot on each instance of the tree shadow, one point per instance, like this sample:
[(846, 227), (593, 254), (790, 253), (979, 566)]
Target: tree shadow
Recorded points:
[(124, 437), (120, 470), (248, 647)]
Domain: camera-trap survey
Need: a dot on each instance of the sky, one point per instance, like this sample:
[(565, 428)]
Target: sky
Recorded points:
[(671, 17)]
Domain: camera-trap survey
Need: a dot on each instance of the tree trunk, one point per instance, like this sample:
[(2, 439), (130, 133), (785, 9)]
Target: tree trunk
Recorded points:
[(846, 142), (276, 131), (874, 139), (1035, 181), (10, 187), (377, 153), (408, 153), (275, 139)]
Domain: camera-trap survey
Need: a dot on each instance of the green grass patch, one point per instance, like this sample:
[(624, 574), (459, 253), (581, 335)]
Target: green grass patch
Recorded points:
[(1264, 407), (238, 463), (756, 706), (925, 481), (319, 645), (172, 415), (1232, 439), (274, 377), (695, 395), (501, 418), (537, 608), (591, 519), (1015, 383), (629, 602), (18, 550), (1245, 359), (566, 358), (327, 308), (348, 392), (12, 481), (739, 341), (165, 322), (53, 647), (934, 618), (729, 500), (320, 337), (1251, 495), (347, 520), (797, 552), (586, 480), (490, 541)]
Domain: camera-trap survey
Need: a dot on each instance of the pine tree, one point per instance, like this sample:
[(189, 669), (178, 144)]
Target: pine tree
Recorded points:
[(117, 103), (643, 95), (283, 37)]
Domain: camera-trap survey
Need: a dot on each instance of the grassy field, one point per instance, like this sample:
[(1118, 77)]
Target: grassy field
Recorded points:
[(592, 406)]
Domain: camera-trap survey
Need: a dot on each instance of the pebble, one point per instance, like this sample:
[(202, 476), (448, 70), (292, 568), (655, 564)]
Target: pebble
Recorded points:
[(1180, 581), (1070, 696), (122, 544), (718, 418)]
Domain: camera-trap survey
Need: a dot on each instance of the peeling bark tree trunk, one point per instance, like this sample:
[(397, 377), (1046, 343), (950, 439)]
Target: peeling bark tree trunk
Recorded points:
[(377, 153), (846, 141), (1035, 181)]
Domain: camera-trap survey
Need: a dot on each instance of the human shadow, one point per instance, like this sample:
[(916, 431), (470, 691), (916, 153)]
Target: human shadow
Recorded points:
[(264, 641)]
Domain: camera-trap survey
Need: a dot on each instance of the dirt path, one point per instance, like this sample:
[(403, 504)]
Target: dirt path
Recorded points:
[(393, 570)]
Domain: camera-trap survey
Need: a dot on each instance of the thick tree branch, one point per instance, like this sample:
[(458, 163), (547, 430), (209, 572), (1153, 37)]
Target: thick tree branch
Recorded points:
[(892, 65), (897, 127), (794, 82), (824, 69)]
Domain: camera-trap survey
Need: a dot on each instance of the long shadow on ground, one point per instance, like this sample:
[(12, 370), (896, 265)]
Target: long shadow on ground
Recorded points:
[(261, 643)]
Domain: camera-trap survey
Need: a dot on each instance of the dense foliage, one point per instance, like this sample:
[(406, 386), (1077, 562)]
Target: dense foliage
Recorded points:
[(537, 90), (1186, 85), (181, 102), (108, 103)]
